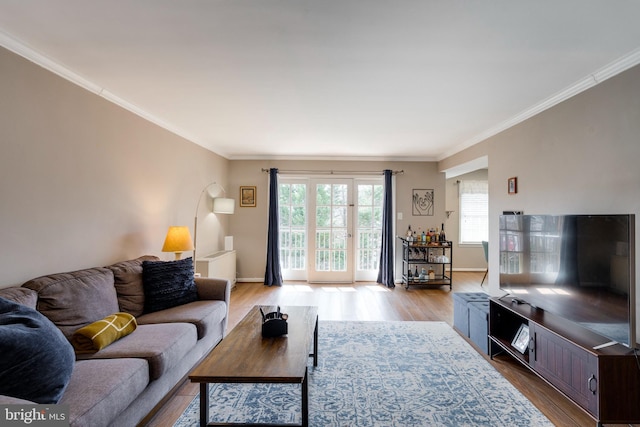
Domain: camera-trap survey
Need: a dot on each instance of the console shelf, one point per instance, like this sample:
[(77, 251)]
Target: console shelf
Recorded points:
[(603, 382)]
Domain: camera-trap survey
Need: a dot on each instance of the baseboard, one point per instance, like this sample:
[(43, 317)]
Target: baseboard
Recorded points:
[(260, 279)]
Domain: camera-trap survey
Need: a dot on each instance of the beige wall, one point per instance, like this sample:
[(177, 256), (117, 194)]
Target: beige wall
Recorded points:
[(249, 225), (580, 156), (85, 183)]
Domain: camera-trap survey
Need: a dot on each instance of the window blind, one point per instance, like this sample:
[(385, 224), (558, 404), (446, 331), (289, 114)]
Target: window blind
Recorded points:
[(474, 211)]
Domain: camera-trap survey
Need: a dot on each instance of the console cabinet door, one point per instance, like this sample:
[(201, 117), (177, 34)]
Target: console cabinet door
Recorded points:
[(568, 367)]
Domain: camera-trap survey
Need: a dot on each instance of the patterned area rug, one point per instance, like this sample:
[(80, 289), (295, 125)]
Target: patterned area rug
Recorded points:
[(382, 374)]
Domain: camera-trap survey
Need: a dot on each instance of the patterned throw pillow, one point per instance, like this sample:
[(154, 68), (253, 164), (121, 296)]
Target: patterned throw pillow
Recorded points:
[(168, 284), (99, 334), (37, 360)]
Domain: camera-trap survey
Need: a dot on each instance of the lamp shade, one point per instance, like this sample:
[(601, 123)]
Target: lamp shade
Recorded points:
[(178, 240), (222, 205)]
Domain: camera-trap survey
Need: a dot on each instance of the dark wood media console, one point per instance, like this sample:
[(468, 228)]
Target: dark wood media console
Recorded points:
[(604, 382)]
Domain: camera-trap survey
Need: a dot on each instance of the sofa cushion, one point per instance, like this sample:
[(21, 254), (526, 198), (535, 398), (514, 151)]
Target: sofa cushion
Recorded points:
[(203, 314), (37, 360), (99, 390), (20, 295), (99, 334), (162, 346), (168, 284), (128, 282), (75, 299)]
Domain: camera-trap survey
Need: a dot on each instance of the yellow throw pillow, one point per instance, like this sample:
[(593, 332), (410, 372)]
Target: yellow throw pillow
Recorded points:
[(99, 334)]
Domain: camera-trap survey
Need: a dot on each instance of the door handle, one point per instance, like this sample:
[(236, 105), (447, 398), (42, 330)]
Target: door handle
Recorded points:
[(532, 347), (592, 380)]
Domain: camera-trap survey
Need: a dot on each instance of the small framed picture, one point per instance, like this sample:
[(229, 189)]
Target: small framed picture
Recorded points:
[(422, 202), (248, 196), (521, 340), (512, 185)]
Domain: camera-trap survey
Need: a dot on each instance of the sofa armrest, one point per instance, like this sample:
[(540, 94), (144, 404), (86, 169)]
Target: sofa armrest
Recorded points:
[(213, 289), (217, 290)]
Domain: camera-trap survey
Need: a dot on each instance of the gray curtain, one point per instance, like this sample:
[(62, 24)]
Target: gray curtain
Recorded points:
[(385, 272), (273, 274)]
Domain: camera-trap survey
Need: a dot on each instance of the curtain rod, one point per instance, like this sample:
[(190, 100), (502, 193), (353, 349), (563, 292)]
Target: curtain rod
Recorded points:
[(333, 172)]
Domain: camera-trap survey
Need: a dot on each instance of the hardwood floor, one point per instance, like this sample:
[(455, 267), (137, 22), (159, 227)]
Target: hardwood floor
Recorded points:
[(370, 301)]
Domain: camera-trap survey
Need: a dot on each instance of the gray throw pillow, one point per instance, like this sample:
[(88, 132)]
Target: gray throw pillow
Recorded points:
[(168, 284), (37, 360), (127, 276)]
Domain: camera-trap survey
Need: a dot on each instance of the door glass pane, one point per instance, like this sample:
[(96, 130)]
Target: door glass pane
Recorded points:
[(378, 195), (298, 216), (339, 216), (331, 227), (322, 250), (323, 216), (339, 194), (364, 195), (339, 261), (323, 194), (365, 216), (284, 216)]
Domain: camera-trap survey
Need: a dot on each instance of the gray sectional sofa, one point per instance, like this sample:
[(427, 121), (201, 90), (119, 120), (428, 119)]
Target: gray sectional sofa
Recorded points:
[(121, 384)]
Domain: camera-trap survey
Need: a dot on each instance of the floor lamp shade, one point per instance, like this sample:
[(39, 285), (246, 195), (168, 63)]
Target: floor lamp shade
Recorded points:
[(222, 205), (178, 240)]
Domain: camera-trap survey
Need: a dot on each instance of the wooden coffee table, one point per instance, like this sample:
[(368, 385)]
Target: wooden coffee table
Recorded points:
[(244, 356)]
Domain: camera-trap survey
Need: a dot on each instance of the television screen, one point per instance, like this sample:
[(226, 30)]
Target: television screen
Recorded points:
[(579, 267)]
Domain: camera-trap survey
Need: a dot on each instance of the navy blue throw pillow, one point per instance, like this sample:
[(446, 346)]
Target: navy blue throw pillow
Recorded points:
[(168, 284), (37, 360)]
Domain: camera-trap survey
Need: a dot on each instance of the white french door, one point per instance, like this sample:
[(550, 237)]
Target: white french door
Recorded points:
[(330, 231), (330, 228)]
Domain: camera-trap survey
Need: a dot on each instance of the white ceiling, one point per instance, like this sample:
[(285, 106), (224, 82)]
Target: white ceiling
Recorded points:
[(360, 79)]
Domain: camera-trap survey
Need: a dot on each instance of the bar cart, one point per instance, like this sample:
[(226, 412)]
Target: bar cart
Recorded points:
[(426, 263)]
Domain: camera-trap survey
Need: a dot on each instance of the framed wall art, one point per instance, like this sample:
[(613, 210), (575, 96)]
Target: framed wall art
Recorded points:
[(248, 196), (512, 185), (422, 202)]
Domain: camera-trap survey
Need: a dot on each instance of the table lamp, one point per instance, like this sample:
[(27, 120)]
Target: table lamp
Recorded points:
[(178, 240)]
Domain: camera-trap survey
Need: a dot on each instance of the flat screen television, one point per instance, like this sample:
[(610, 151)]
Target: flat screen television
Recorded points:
[(579, 267)]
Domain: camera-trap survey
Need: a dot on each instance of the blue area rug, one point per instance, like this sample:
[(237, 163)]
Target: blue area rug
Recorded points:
[(382, 374)]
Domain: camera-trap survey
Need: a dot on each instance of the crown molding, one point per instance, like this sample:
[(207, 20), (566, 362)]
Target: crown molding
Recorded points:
[(614, 68), (336, 158), (24, 50)]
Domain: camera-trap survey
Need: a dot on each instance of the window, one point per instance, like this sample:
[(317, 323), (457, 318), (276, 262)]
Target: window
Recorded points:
[(293, 225), (474, 211), (369, 226)]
